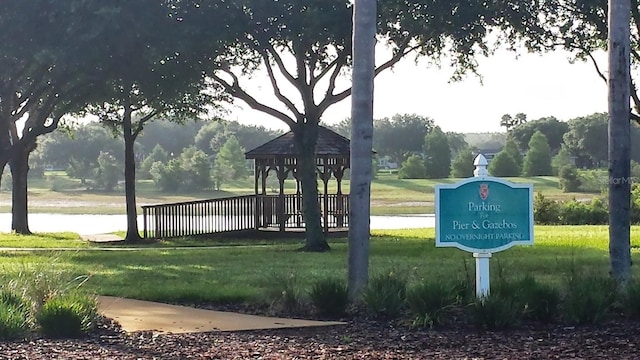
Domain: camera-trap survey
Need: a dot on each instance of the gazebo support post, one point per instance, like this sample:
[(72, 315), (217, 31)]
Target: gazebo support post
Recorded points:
[(280, 208)]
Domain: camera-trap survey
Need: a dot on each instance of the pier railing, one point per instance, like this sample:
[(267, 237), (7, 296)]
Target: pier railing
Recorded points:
[(239, 213)]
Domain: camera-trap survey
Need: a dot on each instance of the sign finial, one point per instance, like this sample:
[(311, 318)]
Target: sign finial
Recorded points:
[(481, 166)]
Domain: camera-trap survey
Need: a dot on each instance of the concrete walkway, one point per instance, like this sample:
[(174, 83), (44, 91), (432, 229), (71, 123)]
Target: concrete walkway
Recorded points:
[(137, 315)]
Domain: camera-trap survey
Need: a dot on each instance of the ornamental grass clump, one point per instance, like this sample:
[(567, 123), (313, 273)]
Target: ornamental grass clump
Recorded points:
[(14, 315), (70, 315), (495, 312), (429, 303), (631, 300), (330, 297), (589, 299), (385, 295)]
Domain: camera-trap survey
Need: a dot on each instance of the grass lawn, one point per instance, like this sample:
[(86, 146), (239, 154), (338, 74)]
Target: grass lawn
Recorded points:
[(238, 273), (389, 195)]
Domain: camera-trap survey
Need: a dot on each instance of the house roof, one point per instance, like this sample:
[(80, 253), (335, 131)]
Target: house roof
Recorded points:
[(329, 144)]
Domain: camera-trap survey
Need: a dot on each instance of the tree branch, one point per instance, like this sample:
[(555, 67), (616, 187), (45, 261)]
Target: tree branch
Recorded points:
[(595, 64), (142, 122), (236, 91), (276, 89)]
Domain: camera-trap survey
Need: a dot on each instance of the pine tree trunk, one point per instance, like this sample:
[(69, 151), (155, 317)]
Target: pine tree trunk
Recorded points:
[(133, 235), (305, 137), (619, 140), (364, 20), (19, 165)]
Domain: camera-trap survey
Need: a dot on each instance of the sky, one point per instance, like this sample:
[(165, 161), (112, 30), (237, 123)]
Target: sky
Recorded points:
[(538, 85)]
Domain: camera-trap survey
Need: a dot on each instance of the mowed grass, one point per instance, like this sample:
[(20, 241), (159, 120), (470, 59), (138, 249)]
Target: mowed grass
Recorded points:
[(247, 273), (389, 195)]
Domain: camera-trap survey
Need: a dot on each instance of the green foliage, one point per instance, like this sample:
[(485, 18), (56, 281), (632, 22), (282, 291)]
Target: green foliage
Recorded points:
[(462, 166), (400, 135), (585, 140), (385, 295), (13, 321), (545, 211), (582, 213), (551, 127), (230, 163), (538, 159), (108, 173), (196, 169), (5, 182), (503, 165), (232, 154), (631, 300), (511, 148), (589, 299), (560, 160), (496, 312), (429, 302), (14, 314), (412, 168), (569, 178), (283, 292), (68, 316), (330, 297), (157, 154), (593, 181), (167, 177), (538, 301), (437, 155)]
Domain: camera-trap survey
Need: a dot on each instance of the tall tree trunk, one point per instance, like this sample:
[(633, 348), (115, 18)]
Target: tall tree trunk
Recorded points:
[(133, 234), (364, 30), (619, 140), (19, 165), (5, 142), (306, 137)]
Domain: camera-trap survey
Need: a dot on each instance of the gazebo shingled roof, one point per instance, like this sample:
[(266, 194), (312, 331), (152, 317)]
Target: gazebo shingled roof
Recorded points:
[(329, 143)]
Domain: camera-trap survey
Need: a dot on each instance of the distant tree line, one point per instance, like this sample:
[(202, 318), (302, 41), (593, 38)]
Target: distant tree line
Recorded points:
[(530, 148), (194, 156)]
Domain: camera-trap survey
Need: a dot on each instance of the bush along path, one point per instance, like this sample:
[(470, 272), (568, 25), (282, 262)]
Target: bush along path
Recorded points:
[(523, 318)]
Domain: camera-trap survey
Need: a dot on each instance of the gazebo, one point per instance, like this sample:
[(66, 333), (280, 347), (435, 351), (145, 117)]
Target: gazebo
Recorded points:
[(283, 210)]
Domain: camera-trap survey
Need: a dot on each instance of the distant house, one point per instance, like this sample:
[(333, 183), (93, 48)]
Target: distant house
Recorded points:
[(385, 163), (488, 153)]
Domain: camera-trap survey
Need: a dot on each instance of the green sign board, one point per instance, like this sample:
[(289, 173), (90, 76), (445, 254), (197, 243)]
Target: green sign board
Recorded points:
[(484, 214)]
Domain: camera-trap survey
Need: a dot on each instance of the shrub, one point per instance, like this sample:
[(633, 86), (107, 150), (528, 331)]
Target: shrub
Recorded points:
[(67, 316), (538, 159), (412, 168), (13, 321), (588, 299), (503, 164), (593, 181), (429, 302), (286, 294), (330, 297), (545, 211), (580, 213), (495, 312), (631, 300), (539, 302), (14, 314), (569, 178), (385, 295)]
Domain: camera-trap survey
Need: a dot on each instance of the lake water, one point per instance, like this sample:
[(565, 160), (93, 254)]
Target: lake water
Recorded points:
[(101, 224)]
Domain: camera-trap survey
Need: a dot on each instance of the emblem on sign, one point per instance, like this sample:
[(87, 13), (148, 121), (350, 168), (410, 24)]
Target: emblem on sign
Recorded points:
[(484, 191)]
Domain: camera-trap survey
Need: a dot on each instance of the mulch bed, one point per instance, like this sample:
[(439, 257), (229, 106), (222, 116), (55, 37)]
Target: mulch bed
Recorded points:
[(361, 338)]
